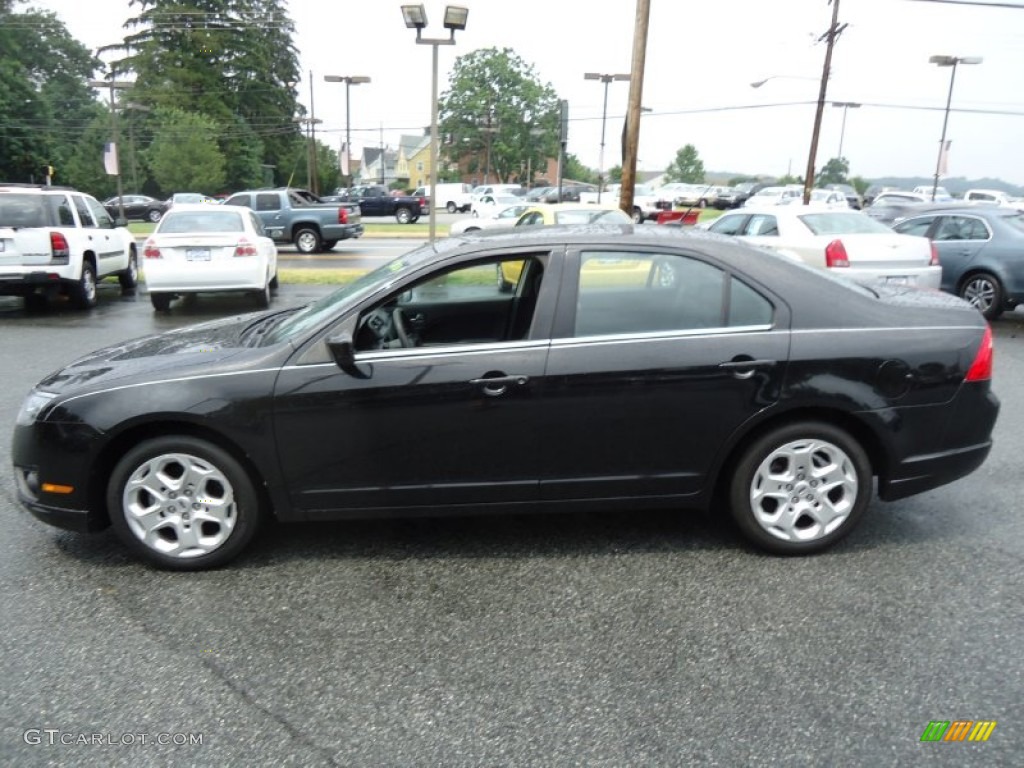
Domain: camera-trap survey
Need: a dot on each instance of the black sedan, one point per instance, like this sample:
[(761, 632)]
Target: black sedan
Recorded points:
[(137, 207), (981, 250), (626, 367)]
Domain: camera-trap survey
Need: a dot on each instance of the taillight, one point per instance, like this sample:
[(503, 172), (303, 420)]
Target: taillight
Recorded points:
[(150, 251), (835, 255), (981, 368), (245, 248), (423, 203), (343, 216), (934, 261), (59, 246)]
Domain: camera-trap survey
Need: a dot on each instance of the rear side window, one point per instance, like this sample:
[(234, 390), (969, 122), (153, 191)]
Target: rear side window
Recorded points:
[(60, 207), (270, 202), (961, 228), (918, 226), (629, 293), (762, 225), (839, 223), (20, 210), (729, 225), (237, 200)]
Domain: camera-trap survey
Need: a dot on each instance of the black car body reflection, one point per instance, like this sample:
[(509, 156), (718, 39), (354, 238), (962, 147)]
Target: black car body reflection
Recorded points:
[(581, 367)]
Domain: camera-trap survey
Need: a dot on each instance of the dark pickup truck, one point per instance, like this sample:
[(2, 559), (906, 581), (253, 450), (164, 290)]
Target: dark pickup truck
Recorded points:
[(299, 217), (376, 200)]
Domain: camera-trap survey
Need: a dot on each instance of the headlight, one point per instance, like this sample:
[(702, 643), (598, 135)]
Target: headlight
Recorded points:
[(34, 403)]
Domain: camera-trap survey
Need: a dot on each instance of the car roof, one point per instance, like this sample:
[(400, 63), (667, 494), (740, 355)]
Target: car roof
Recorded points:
[(203, 208)]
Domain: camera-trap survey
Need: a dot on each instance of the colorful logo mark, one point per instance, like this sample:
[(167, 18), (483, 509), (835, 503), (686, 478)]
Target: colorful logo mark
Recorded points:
[(958, 730)]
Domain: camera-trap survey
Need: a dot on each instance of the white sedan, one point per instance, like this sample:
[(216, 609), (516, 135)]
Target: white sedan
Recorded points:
[(847, 242), (199, 247), (499, 218), (490, 203)]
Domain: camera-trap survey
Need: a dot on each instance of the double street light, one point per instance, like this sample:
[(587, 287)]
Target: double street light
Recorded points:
[(415, 17), (349, 81), (952, 62), (607, 80)]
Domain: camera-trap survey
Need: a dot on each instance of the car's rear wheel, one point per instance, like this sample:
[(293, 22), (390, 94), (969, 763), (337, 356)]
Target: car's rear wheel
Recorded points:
[(154, 215), (129, 277), (452, 207), (83, 292), (274, 282), (263, 296), (182, 503), (161, 301), (307, 240), (984, 291), (403, 216), (800, 488), (638, 216)]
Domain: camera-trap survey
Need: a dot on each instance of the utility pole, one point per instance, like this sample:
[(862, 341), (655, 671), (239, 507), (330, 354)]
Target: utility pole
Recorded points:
[(113, 85), (636, 88), (830, 37), (315, 180)]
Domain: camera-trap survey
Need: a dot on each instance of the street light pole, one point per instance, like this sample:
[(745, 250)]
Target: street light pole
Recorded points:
[(846, 105), (948, 61), (415, 17), (833, 32), (349, 81), (606, 79), (115, 85)]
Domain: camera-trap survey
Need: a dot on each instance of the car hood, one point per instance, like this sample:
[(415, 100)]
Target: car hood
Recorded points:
[(208, 347)]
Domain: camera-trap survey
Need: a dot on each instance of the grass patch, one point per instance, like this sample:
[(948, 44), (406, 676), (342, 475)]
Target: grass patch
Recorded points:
[(141, 227), (328, 276)]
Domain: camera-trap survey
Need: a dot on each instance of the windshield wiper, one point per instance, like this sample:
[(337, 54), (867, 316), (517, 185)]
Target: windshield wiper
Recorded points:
[(254, 333)]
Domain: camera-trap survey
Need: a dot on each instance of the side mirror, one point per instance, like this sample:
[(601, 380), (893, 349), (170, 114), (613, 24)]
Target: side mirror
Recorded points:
[(343, 351)]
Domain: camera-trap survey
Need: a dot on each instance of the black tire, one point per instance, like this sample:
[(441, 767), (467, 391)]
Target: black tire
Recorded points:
[(307, 240), (787, 507), (129, 278), (327, 245), (262, 296), (195, 520), (161, 301), (274, 282), (638, 216), (403, 216), (154, 215), (83, 292), (984, 291), (452, 207)]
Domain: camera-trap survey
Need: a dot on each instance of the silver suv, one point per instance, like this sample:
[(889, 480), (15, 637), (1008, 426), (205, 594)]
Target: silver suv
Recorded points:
[(55, 240)]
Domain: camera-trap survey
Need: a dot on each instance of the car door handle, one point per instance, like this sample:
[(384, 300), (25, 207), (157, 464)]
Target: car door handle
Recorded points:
[(744, 369), (496, 386)]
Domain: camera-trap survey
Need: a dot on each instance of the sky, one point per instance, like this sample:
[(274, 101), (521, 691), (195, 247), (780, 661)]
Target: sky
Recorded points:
[(701, 58)]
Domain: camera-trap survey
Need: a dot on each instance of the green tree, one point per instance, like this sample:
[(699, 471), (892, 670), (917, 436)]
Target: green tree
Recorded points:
[(232, 60), (498, 114), (687, 167), (835, 171), (184, 155), (860, 184), (615, 174), (45, 102), (574, 170), (789, 179)]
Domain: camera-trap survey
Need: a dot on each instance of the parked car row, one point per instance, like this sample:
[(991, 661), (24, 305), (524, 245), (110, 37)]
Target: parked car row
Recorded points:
[(146, 208)]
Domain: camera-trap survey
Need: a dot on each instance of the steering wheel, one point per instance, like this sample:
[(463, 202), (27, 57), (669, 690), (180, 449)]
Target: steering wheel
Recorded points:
[(399, 322)]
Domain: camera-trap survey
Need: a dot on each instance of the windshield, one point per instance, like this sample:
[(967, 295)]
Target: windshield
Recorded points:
[(181, 222), (842, 224), (313, 315)]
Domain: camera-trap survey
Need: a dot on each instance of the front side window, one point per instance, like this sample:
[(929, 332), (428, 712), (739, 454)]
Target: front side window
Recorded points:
[(99, 214), (918, 226), (83, 211), (238, 200), (631, 293), (485, 302), (729, 225)]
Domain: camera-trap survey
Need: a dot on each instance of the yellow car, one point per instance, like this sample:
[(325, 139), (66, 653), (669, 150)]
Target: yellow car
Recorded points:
[(559, 213), (573, 213)]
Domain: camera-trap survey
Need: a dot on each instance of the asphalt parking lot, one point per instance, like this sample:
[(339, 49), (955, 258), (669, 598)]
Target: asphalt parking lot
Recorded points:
[(613, 639)]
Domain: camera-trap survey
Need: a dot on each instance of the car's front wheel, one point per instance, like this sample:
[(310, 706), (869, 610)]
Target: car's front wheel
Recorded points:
[(800, 488), (985, 292), (452, 207), (182, 503)]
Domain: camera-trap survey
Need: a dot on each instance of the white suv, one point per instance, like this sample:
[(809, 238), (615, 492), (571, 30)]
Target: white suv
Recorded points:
[(56, 240)]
